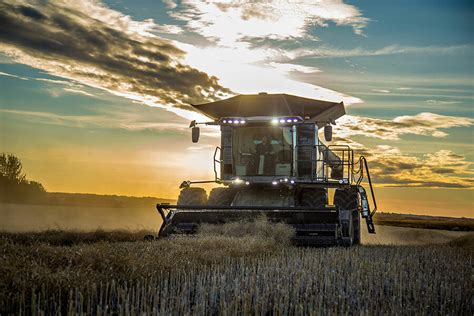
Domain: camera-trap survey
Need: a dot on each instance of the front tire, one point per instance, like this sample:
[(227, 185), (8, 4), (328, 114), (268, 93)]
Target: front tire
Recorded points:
[(356, 224), (348, 233), (316, 198), (192, 196), (348, 200), (221, 197)]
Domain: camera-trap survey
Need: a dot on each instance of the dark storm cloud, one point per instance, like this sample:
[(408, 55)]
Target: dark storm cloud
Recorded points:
[(70, 40), (31, 13)]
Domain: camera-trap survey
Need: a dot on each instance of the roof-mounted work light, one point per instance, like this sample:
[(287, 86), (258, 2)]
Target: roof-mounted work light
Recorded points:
[(285, 120), (232, 120)]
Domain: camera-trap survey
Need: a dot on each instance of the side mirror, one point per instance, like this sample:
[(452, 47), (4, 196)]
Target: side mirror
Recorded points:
[(328, 133), (195, 134)]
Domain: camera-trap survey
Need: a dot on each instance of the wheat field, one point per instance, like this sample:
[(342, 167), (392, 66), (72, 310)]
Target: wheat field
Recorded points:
[(238, 269)]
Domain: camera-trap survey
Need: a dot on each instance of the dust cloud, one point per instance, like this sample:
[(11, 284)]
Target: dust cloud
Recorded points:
[(27, 218), (35, 218), (391, 235)]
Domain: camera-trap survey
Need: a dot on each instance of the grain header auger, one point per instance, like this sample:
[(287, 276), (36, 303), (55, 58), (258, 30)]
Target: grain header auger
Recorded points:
[(272, 163)]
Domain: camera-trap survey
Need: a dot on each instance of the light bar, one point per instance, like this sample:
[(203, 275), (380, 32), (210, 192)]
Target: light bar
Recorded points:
[(285, 120), (233, 120)]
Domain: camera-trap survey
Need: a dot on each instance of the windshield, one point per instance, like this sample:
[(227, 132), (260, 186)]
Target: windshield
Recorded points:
[(259, 151)]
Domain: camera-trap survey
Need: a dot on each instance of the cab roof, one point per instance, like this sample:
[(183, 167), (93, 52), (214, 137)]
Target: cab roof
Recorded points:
[(263, 104)]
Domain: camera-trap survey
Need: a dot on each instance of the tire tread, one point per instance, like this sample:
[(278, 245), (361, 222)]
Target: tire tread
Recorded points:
[(317, 198), (221, 197), (192, 196)]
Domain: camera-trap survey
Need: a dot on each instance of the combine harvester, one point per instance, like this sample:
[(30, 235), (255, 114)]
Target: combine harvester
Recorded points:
[(272, 163)]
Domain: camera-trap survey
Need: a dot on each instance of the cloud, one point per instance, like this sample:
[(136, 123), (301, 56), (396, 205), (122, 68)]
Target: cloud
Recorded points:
[(440, 102), (381, 90), (120, 120), (77, 91), (170, 4), (443, 168), (62, 82), (12, 76), (252, 70), (96, 46), (68, 87), (325, 51), (237, 33), (390, 167), (288, 68), (421, 124), (228, 22), (169, 29), (88, 43)]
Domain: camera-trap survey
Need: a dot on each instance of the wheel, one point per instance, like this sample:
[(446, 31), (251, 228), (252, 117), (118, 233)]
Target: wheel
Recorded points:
[(192, 196), (221, 197), (348, 237), (348, 200), (317, 198), (356, 225)]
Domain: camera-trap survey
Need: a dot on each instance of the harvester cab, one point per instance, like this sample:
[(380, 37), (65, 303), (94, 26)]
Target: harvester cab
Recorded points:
[(271, 162)]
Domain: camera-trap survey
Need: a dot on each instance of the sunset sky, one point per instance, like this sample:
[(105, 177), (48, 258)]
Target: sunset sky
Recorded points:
[(94, 96)]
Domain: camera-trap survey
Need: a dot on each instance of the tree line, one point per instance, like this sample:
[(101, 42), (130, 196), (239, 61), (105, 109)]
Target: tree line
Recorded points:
[(14, 186)]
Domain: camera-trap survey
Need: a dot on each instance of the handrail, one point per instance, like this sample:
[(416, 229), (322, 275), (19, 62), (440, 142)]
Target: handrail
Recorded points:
[(344, 158), (363, 163), (217, 161)]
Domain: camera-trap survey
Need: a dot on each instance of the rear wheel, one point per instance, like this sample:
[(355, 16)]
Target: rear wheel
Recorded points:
[(192, 196), (348, 201), (221, 197), (316, 198)]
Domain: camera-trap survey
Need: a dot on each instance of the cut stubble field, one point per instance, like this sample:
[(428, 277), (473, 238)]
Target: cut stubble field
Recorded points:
[(239, 268)]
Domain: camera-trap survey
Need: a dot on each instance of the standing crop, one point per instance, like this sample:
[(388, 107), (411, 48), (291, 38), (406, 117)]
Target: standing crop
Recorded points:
[(211, 273)]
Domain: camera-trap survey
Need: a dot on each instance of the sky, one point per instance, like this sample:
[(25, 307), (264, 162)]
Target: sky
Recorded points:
[(94, 96)]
